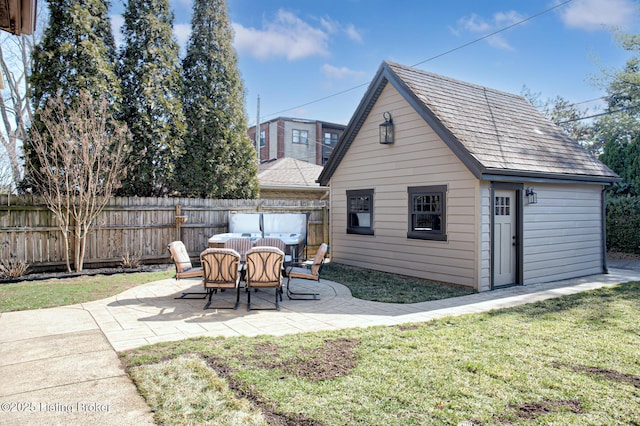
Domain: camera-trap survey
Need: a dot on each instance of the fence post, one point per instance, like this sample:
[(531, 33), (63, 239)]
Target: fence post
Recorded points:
[(325, 224), (179, 221)]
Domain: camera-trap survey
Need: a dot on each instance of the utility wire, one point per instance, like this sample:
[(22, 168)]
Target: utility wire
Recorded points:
[(600, 115), (508, 27), (431, 58)]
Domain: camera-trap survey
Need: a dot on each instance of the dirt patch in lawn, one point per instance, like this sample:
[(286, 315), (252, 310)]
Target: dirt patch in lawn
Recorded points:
[(335, 358), (604, 373), (535, 409)]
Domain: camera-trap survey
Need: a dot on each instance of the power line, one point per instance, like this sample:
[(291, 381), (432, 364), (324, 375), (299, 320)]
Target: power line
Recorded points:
[(508, 27), (431, 58), (600, 114)]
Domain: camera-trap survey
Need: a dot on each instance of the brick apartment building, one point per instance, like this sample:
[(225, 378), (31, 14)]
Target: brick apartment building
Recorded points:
[(306, 140)]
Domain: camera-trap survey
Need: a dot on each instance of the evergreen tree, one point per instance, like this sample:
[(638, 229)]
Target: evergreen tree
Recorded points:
[(219, 159), (76, 55), (152, 106)]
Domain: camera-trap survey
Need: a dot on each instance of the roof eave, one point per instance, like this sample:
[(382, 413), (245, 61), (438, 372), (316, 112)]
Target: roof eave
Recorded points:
[(541, 177), (355, 124), (296, 188)]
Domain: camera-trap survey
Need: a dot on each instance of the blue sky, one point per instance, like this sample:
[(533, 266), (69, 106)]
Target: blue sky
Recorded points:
[(293, 53)]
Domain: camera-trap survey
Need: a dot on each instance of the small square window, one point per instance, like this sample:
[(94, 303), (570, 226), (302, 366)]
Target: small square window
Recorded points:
[(300, 136), (503, 207), (360, 212), (427, 212)]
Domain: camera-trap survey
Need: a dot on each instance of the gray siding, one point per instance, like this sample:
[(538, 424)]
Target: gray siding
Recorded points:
[(484, 240), (304, 152), (563, 233), (419, 157)]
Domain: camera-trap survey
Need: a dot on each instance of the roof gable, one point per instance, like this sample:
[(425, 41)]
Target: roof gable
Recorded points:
[(492, 132)]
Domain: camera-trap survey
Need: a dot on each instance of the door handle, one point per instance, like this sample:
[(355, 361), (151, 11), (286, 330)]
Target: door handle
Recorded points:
[(514, 241)]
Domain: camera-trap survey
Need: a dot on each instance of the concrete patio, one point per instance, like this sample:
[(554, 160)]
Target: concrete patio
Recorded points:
[(59, 365)]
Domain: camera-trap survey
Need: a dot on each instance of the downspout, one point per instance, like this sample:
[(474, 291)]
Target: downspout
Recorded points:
[(603, 204)]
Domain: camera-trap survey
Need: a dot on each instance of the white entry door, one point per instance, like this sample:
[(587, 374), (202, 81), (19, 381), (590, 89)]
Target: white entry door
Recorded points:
[(504, 238)]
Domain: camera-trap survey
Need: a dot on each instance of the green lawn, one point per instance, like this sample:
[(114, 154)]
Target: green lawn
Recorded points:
[(566, 361), (379, 286), (68, 291)]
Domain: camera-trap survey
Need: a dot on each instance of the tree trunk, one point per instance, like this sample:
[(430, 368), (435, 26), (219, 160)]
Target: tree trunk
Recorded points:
[(78, 248), (65, 237)]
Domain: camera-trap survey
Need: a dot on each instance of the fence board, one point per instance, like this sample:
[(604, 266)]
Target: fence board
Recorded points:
[(139, 226)]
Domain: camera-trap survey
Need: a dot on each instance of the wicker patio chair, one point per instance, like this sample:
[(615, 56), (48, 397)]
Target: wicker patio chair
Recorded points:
[(306, 270), (221, 271), (264, 270)]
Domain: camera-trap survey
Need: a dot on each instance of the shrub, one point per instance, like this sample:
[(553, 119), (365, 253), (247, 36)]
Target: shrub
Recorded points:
[(130, 261), (13, 268), (623, 224)]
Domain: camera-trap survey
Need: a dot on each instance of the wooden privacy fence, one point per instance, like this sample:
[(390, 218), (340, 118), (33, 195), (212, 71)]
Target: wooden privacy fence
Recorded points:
[(140, 227)]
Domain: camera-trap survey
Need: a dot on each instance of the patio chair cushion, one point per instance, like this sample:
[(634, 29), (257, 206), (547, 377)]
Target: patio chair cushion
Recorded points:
[(241, 245), (302, 272), (274, 242), (264, 267), (180, 256), (221, 267)]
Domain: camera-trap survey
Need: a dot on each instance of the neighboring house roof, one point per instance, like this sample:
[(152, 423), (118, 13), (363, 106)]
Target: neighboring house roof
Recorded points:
[(495, 134), (289, 172), (325, 124)]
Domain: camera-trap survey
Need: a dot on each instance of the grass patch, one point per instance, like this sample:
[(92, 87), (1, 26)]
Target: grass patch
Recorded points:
[(379, 286), (566, 361), (69, 291)]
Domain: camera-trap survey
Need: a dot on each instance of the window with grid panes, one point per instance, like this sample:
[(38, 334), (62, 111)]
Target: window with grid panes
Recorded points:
[(427, 212), (360, 212), (300, 136)]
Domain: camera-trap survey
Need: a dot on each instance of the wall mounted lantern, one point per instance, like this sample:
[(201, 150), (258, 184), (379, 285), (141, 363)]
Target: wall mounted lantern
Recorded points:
[(532, 196), (386, 129)]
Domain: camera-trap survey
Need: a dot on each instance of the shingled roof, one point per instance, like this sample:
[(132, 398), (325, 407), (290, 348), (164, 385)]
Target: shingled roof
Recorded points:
[(288, 172), (495, 134)]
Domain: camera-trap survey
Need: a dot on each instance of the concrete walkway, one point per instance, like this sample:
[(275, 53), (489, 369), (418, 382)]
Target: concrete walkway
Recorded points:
[(59, 365)]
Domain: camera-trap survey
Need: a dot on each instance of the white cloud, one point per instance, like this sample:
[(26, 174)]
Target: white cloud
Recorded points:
[(330, 25), (474, 24), (594, 15), (342, 72), (480, 26), (117, 21), (353, 33), (504, 19), (499, 42), (182, 33), (290, 37), (287, 36)]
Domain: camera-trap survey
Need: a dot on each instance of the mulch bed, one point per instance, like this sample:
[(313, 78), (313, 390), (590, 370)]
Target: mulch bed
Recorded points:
[(87, 272)]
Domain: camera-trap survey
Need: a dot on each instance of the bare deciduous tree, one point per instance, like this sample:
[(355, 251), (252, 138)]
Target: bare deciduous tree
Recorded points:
[(15, 110), (81, 151)]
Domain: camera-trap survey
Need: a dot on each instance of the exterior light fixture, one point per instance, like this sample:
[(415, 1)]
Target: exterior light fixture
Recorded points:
[(386, 129), (532, 196)]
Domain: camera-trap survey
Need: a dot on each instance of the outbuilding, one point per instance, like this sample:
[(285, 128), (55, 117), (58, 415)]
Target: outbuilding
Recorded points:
[(455, 182)]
